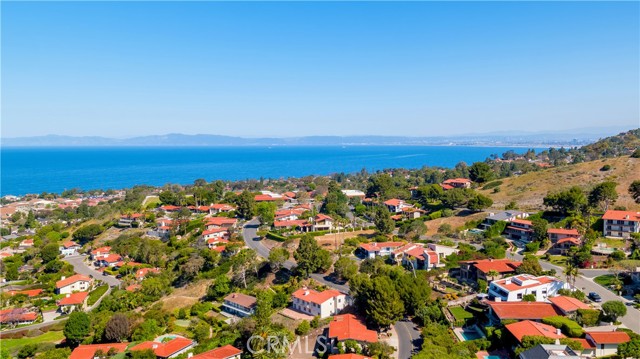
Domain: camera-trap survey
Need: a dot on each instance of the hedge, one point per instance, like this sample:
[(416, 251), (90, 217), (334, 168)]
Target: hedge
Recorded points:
[(588, 317), (276, 237), (568, 326)]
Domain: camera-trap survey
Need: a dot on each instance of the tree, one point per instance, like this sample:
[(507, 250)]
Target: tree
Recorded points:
[(277, 257), (28, 351), (414, 291), (413, 230), (634, 190), (530, 265), (335, 202), (603, 194), (242, 262), (220, 288), (457, 197), (311, 257), (77, 328), (264, 308), (49, 252), (87, 233), (480, 172), (630, 349), (572, 200), (345, 268), (266, 212), (429, 193), (614, 309), (384, 305), (380, 350), (528, 298), (245, 205), (492, 274), (539, 227), (53, 353), (147, 330), (382, 220), (143, 354), (118, 328), (479, 202), (303, 328)]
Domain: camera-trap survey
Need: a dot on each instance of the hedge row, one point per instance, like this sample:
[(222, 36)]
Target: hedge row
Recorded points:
[(568, 326)]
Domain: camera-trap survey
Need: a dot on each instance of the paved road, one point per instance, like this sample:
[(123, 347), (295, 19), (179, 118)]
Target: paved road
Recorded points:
[(408, 336), (585, 283), (33, 326), (78, 263)]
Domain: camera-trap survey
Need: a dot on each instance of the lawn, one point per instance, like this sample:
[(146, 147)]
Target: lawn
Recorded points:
[(49, 337), (558, 260), (612, 242), (460, 313), (96, 294), (605, 280)]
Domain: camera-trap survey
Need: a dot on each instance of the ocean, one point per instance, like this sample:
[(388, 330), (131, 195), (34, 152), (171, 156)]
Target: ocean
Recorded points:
[(37, 169)]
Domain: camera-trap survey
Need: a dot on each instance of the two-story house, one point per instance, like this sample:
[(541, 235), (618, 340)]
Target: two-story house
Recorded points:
[(75, 283), (513, 289), (323, 304), (479, 269), (239, 304), (69, 248), (377, 249), (620, 224), (520, 230)]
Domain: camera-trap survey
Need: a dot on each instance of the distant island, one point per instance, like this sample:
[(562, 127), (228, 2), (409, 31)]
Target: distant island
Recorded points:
[(569, 138)]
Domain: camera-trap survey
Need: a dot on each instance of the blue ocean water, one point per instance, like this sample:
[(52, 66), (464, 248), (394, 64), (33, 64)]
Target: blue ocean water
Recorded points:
[(34, 170)]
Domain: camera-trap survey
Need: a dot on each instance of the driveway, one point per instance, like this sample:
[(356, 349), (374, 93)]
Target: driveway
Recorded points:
[(409, 338), (585, 283), (80, 266)]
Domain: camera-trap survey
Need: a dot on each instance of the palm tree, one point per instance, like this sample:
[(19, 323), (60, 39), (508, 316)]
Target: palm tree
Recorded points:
[(571, 272), (493, 274)]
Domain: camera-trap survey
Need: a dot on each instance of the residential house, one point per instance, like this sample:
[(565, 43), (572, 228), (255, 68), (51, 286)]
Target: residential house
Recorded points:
[(479, 269), (527, 327), (215, 233), (69, 248), (353, 193), (27, 243), (348, 327), (84, 351), (323, 304), (75, 283), (170, 349), (109, 260), (220, 222), (620, 224), (143, 272), (535, 311), (520, 230), (239, 304), (568, 306), (506, 216), (170, 208), (224, 352), (100, 252), (299, 224), (30, 293), (130, 220), (396, 205), (377, 249), (217, 244), (322, 222), (268, 196), (564, 245), (514, 288), (456, 183), (556, 234), (412, 212), (220, 208), (550, 351), (72, 301), (606, 343), (17, 316)]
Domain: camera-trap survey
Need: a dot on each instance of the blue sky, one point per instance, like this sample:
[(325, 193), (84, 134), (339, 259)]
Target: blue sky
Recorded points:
[(258, 69)]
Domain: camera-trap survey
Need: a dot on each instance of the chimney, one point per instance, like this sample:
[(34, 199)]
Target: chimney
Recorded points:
[(154, 346), (68, 295), (63, 278), (508, 281), (558, 332), (189, 355)]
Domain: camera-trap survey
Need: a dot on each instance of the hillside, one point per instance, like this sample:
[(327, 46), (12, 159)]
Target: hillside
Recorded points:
[(529, 189)]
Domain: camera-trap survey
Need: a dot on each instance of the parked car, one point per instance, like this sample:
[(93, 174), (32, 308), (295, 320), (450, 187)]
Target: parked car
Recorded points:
[(595, 297)]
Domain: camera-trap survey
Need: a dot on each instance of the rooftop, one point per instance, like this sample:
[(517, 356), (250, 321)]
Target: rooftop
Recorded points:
[(347, 326), (313, 296)]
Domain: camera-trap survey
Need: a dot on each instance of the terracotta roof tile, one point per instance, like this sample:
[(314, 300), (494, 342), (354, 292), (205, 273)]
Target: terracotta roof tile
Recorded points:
[(313, 296), (347, 326), (224, 352), (74, 278), (527, 327), (608, 337), (88, 351), (523, 310)]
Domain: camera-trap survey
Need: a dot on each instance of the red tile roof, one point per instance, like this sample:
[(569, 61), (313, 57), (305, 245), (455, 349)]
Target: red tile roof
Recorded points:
[(527, 327), (141, 273), (219, 221), (420, 252), (377, 246), (575, 241), (523, 310), (446, 186), (499, 265), (74, 278), (568, 304), (169, 208), (522, 221), (214, 230), (223, 206), (133, 287), (167, 349), (608, 337), (511, 283), (394, 202), (570, 232), (69, 244), (111, 258), (17, 315), (457, 180), (585, 343), (101, 250), (224, 352), (294, 223), (323, 217), (622, 215), (313, 296), (89, 351), (346, 326), (264, 198), (74, 298), (29, 293)]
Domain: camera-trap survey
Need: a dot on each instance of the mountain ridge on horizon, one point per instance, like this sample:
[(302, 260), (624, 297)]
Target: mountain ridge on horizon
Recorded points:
[(561, 137)]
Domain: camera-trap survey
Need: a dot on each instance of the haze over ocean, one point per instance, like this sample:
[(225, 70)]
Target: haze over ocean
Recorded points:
[(34, 170)]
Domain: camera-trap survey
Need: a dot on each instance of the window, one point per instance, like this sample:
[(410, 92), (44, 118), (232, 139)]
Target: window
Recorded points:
[(535, 292), (519, 296)]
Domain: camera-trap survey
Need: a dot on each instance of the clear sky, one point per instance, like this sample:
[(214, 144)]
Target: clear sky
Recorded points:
[(257, 69)]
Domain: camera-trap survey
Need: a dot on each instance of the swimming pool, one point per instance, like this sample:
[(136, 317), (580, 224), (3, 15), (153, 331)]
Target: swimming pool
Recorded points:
[(472, 335), (492, 357)]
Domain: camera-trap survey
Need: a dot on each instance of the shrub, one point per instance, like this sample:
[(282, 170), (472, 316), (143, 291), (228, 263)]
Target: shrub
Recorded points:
[(493, 184), (303, 328), (276, 237), (605, 168), (532, 247), (588, 317), (568, 326)]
